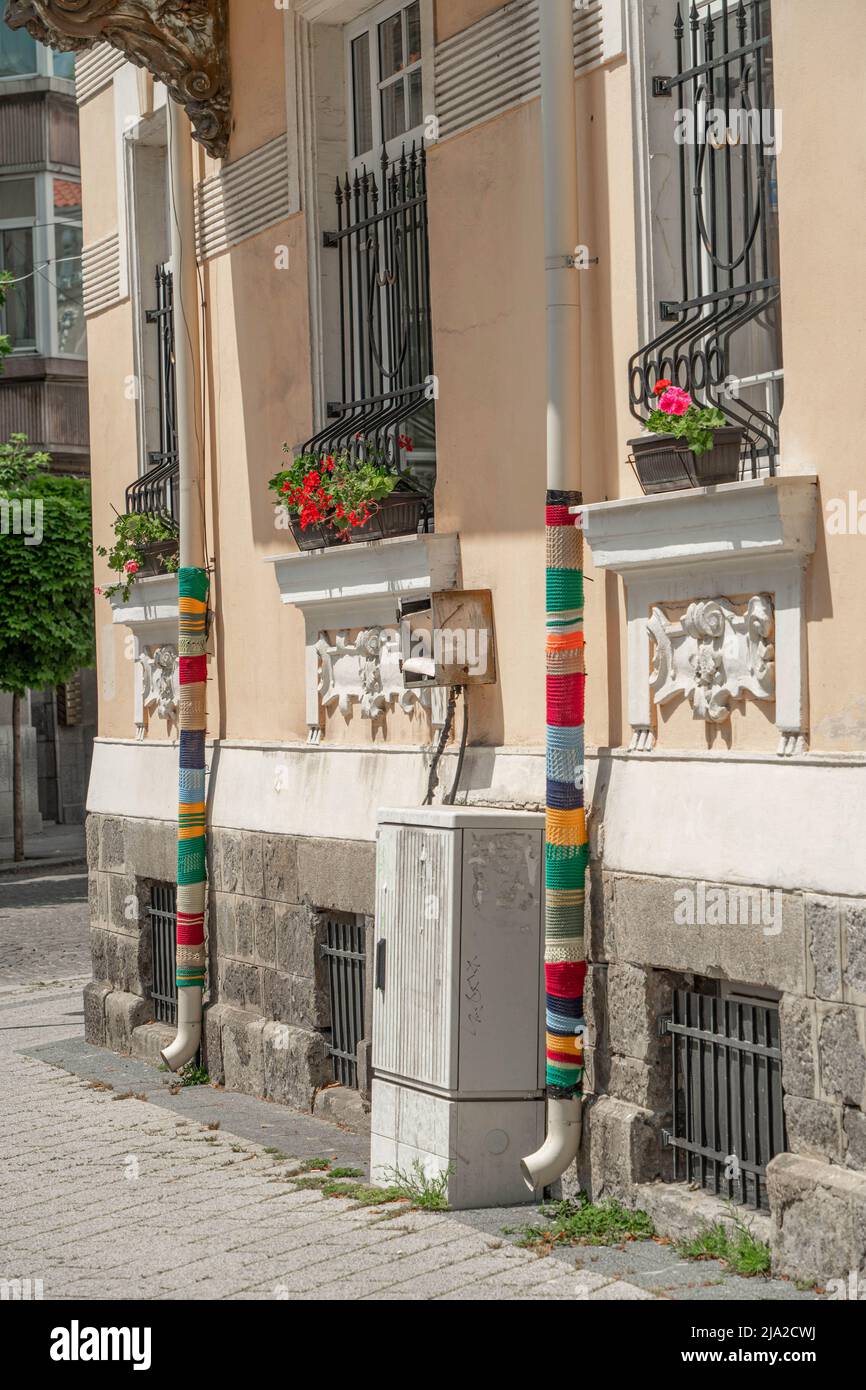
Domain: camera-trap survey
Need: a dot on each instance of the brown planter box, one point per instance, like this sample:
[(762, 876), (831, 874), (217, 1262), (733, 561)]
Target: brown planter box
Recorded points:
[(664, 463), (401, 514)]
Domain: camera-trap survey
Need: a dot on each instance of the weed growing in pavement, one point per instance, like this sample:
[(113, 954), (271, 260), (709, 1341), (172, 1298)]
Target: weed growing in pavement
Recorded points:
[(732, 1242), (582, 1222)]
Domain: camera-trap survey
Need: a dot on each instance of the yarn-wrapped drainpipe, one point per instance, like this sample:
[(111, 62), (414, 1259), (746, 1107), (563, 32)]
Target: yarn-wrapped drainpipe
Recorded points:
[(193, 587), (566, 849)]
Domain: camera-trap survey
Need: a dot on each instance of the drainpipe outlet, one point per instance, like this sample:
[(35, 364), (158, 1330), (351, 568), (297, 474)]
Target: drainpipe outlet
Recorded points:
[(559, 1150), (188, 1037)]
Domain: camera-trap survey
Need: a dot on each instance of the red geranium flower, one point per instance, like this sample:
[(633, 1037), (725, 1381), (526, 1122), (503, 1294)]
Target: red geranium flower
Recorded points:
[(661, 385)]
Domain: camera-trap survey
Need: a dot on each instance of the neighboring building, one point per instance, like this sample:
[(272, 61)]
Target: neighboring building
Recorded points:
[(43, 387), (725, 693)]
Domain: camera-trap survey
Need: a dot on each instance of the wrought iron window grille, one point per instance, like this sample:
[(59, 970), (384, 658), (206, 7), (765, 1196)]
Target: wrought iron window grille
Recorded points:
[(155, 492), (162, 916), (345, 954), (728, 262), (386, 345), (727, 1097)]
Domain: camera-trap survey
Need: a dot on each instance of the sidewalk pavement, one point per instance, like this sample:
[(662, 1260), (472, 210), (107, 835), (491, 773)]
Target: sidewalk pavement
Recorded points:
[(117, 1188), (54, 847)]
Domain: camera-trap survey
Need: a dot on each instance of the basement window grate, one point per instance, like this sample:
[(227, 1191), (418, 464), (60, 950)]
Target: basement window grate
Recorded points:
[(344, 951), (728, 1116), (162, 914)]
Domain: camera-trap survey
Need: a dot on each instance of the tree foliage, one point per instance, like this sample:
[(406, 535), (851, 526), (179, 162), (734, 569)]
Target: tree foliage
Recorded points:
[(46, 585)]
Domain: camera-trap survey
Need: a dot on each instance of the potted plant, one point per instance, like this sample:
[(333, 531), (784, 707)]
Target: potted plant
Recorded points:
[(144, 544), (361, 495), (687, 445)]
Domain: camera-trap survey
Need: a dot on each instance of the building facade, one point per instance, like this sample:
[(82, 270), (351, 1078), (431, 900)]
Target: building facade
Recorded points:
[(43, 388), (371, 260)]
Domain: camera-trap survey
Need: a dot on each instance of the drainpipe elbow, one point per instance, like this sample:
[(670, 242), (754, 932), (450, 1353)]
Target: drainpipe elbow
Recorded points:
[(188, 1037), (559, 1150)]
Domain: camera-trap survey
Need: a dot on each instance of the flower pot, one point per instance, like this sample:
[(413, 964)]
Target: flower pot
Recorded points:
[(404, 513), (155, 552), (664, 463)]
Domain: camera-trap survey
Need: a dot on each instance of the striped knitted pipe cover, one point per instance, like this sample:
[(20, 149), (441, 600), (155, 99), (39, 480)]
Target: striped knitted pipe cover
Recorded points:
[(566, 848), (193, 586)]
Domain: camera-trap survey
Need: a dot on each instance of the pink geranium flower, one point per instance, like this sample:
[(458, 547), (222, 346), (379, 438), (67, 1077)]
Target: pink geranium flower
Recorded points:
[(675, 401), (131, 567)]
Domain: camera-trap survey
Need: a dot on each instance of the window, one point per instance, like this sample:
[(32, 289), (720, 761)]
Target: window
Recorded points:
[(727, 1100), (708, 138), (18, 52), (17, 221), (388, 54), (40, 247), (67, 277), (162, 916), (22, 56)]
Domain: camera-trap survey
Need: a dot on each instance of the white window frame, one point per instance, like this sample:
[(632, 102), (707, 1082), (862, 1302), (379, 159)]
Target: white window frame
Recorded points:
[(369, 23), (43, 224), (44, 67)]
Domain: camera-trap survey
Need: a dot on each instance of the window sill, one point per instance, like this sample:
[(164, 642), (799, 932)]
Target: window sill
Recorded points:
[(707, 554), (358, 586)]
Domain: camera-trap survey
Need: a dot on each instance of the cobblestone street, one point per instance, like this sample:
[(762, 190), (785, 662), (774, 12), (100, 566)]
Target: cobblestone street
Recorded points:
[(108, 1194)]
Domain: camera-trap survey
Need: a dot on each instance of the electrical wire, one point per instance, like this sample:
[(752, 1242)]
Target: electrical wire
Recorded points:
[(464, 737), (444, 735)]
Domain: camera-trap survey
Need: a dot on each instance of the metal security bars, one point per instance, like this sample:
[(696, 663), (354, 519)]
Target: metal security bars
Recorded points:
[(728, 1117), (386, 346), (724, 342), (155, 492), (162, 915), (344, 951)]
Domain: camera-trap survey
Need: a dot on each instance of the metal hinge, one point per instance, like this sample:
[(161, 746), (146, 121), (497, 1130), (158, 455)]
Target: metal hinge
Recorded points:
[(665, 1025), (380, 963), (662, 86), (668, 311), (330, 241), (334, 411), (667, 1139)]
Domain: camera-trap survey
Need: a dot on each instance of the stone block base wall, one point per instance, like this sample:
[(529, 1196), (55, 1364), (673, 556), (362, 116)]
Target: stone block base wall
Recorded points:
[(811, 950), (267, 1008)]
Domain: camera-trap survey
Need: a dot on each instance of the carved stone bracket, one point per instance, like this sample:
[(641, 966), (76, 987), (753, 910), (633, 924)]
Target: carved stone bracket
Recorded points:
[(183, 43), (365, 671), (714, 655)]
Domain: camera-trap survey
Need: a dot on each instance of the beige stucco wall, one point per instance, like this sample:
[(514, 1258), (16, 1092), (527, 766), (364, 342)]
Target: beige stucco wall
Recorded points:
[(485, 206), (822, 204)]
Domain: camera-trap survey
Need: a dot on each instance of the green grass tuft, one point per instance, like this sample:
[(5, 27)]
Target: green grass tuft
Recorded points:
[(424, 1192), (582, 1222), (191, 1075), (733, 1243)]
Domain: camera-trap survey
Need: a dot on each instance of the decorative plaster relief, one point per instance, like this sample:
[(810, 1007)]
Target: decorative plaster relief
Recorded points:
[(714, 655), (183, 43), (753, 537), (158, 692), (351, 587), (365, 671)]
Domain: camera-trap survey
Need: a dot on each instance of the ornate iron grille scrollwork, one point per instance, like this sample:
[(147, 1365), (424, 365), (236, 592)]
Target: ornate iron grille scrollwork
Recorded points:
[(728, 257), (386, 346), (155, 492)]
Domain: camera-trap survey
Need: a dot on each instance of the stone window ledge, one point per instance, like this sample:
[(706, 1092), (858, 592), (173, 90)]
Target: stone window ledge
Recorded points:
[(704, 545), (359, 586)]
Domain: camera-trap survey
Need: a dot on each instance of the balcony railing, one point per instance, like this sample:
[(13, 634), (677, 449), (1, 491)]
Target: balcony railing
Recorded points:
[(386, 349), (724, 342), (155, 492)]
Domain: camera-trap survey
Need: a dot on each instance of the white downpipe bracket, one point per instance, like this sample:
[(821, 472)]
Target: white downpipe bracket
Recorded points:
[(562, 280)]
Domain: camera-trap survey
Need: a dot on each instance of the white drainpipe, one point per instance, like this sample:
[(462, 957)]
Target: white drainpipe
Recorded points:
[(559, 140), (189, 442)]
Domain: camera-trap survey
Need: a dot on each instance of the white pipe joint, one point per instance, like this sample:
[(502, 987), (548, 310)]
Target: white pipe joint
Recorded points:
[(559, 1150), (188, 1036)]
